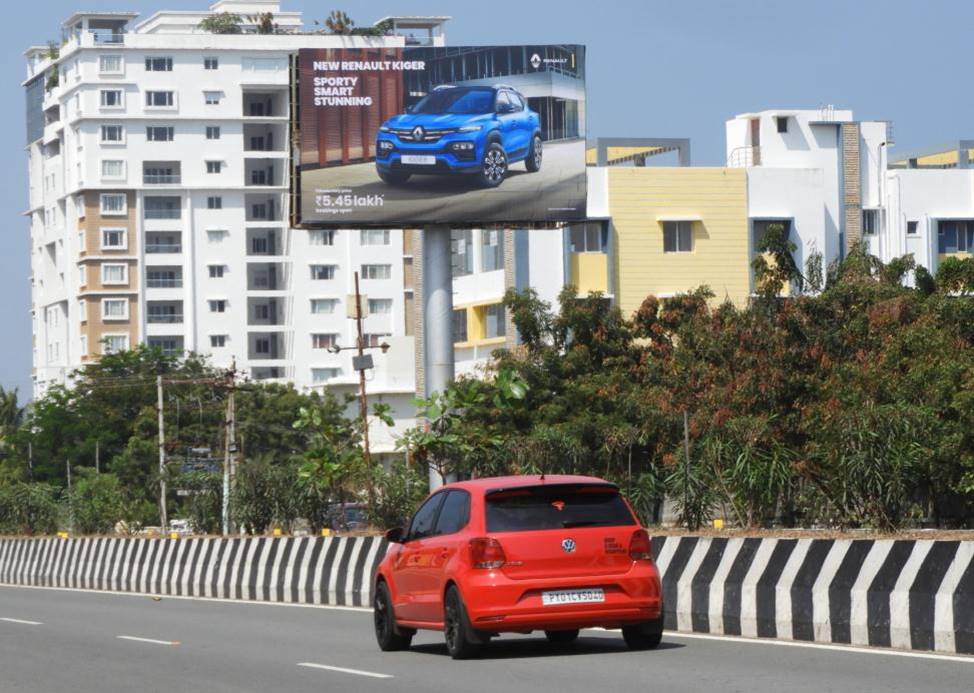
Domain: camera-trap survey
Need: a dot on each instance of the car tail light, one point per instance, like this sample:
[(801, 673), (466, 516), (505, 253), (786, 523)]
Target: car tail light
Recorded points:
[(640, 547), (486, 553)]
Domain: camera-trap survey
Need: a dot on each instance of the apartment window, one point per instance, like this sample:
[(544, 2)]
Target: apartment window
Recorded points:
[(115, 309), (460, 325), (258, 210), (461, 252), (587, 238), (211, 63), (323, 375), (323, 340), (320, 237), (216, 235), (781, 123), (912, 228), (111, 98), (262, 345), (212, 132), (214, 202), (677, 236), (955, 236), (374, 237), (260, 245), (112, 168), (160, 134), (112, 134), (212, 98), (375, 339), (158, 64), (492, 252), (109, 64), (114, 274), (113, 203), (162, 208), (262, 311), (322, 272), (218, 341), (159, 99), (380, 306), (495, 322), (376, 271), (323, 306), (112, 343), (84, 344), (218, 306), (114, 239), (759, 229), (214, 166), (869, 221), (216, 271), (164, 278)]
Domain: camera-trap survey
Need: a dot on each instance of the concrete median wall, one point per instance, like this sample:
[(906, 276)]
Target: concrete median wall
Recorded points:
[(906, 594)]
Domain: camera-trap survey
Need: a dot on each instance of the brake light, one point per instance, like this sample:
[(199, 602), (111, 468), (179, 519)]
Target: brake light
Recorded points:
[(486, 553), (640, 547)]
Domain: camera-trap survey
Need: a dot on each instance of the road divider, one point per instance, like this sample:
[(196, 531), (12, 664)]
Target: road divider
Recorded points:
[(909, 594)]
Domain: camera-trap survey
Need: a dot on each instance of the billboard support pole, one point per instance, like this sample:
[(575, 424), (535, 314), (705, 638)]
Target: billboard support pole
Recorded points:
[(437, 317)]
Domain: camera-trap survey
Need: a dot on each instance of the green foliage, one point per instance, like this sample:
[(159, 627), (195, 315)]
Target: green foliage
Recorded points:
[(338, 22), (222, 23), (399, 492), (956, 276), (28, 508), (264, 22), (96, 502)]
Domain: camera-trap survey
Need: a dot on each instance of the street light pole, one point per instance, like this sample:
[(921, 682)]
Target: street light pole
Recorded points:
[(163, 514), (363, 398)]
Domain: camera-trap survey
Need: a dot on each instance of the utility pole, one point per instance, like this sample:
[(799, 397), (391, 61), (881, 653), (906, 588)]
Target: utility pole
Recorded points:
[(363, 399), (163, 515), (229, 448), (686, 464), (97, 456), (30, 461), (67, 465)]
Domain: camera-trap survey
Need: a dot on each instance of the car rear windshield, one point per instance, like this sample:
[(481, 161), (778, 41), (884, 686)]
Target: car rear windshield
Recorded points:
[(456, 100), (556, 507)]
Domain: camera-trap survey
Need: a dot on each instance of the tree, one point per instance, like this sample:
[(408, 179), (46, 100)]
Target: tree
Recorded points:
[(264, 22), (222, 23), (338, 22)]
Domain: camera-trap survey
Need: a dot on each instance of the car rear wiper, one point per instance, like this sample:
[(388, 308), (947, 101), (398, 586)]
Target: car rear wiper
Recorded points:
[(580, 523)]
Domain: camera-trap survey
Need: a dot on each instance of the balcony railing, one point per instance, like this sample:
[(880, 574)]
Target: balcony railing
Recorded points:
[(150, 179), (163, 213), (164, 283), (163, 247), (164, 318), (109, 37)]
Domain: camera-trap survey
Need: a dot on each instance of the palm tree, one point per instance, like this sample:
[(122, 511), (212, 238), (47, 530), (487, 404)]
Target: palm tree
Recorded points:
[(11, 414), (339, 22)]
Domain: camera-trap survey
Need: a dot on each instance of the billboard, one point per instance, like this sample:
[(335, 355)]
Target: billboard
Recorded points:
[(453, 135)]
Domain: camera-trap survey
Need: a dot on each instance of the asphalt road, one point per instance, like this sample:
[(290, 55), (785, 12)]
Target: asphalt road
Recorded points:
[(522, 196), (77, 641)]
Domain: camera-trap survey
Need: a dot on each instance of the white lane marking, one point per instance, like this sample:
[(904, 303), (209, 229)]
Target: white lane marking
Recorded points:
[(151, 641), (334, 607), (343, 670), (813, 645), (22, 622)]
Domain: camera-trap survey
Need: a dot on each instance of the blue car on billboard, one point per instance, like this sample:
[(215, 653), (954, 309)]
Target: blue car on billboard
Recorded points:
[(480, 130)]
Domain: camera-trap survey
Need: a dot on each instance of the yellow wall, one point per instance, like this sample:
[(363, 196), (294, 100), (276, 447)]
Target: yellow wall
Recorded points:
[(720, 259), (590, 272)]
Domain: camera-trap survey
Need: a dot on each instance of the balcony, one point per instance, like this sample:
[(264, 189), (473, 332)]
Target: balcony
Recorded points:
[(266, 346), (268, 276), (164, 312), (153, 248), (265, 139), (164, 277), (162, 208), (263, 208), (263, 242), (271, 104), (261, 172), (590, 272), (265, 311)]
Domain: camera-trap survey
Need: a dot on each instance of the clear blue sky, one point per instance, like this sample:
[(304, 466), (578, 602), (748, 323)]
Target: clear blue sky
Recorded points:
[(655, 68)]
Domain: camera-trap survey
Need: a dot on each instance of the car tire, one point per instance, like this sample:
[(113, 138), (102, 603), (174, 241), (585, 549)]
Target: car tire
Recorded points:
[(391, 638), (393, 177), (461, 640), (533, 161), (644, 636), (562, 637), (493, 167)]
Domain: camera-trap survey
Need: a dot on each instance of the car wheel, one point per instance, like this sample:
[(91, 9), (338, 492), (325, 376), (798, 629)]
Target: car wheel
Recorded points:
[(561, 637), (494, 166), (533, 162), (644, 636), (393, 177), (390, 637), (459, 634)]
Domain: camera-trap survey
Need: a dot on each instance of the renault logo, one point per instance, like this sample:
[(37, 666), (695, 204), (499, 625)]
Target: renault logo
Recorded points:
[(568, 545), (535, 61), (418, 132)]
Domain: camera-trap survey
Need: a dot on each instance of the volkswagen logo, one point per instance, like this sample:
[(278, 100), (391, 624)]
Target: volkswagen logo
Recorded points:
[(418, 132), (568, 545)]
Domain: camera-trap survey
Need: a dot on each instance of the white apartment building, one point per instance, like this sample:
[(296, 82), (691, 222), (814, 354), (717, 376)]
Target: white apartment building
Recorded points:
[(158, 159)]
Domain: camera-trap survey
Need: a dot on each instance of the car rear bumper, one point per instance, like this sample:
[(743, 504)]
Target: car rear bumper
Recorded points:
[(496, 603)]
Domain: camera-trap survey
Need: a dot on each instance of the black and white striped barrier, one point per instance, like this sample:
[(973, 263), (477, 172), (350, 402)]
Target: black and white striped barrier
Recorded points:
[(304, 570), (906, 594)]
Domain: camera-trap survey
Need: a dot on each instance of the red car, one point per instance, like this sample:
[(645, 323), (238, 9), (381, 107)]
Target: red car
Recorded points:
[(519, 554)]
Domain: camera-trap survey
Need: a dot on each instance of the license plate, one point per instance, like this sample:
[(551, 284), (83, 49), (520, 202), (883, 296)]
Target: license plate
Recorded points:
[(557, 597), (421, 159)]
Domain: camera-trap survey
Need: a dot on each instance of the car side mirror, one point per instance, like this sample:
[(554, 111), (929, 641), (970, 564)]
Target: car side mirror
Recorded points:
[(395, 535), (410, 109), (505, 108)]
